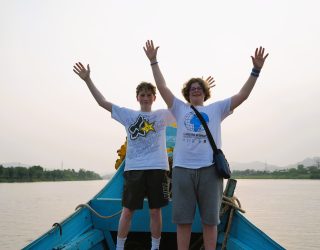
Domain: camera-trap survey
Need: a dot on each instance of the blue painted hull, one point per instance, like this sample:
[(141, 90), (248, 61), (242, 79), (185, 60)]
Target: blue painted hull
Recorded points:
[(84, 230)]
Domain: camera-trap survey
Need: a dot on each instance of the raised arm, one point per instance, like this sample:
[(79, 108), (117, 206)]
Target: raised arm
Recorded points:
[(258, 61), (165, 92), (84, 74)]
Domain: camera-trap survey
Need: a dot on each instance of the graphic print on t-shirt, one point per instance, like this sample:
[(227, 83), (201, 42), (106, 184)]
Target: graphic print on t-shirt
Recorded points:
[(141, 127), (192, 122), (194, 128)]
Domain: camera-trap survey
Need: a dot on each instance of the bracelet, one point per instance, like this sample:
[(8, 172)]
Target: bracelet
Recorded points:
[(153, 63), (255, 72)]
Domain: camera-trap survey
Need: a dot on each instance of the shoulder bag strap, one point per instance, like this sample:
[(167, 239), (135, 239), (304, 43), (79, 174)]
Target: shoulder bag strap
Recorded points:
[(204, 124)]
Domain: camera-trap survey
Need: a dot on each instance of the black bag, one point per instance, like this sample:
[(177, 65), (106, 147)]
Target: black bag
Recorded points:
[(221, 163)]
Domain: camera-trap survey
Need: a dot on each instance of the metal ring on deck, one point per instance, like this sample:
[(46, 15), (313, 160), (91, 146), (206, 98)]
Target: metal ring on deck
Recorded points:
[(59, 226)]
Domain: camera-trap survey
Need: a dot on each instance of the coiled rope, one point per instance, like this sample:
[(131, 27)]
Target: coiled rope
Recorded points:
[(231, 202), (96, 213)]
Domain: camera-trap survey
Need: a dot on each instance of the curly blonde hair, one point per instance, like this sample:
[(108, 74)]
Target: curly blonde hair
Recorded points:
[(204, 85)]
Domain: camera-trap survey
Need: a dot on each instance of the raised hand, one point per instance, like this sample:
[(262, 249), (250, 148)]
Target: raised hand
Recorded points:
[(151, 51), (210, 82), (81, 71), (259, 58)]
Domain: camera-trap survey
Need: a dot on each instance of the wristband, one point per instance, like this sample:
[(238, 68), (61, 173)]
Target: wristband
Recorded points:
[(255, 72), (153, 63)]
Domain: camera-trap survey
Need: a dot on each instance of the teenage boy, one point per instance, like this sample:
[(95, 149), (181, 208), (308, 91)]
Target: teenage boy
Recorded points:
[(145, 173)]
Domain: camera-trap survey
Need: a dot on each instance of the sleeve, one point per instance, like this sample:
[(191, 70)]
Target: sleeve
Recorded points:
[(224, 106), (120, 114), (175, 109)]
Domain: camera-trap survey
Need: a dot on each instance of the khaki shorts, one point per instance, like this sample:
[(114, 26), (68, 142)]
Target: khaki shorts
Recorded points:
[(139, 184), (191, 187)]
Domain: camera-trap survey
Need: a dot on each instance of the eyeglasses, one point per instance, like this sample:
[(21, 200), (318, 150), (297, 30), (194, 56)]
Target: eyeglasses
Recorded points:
[(192, 89)]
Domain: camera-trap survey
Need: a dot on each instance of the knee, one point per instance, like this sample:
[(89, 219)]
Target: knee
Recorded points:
[(127, 213), (209, 228)]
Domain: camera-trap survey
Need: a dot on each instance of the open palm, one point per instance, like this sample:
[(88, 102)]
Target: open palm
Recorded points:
[(81, 71), (210, 80), (150, 50), (259, 58)]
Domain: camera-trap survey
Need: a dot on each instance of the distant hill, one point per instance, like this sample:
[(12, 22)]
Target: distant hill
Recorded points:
[(257, 165), (307, 162)]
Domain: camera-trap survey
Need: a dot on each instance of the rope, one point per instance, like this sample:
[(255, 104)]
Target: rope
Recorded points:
[(232, 203), (96, 213), (229, 203)]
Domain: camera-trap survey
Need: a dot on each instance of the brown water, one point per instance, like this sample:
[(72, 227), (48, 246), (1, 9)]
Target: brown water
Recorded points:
[(287, 210)]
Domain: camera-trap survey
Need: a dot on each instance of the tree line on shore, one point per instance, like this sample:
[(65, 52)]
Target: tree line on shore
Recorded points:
[(301, 172), (38, 173)]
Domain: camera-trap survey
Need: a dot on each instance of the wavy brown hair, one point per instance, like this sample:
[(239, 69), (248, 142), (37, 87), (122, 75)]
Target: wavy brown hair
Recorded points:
[(146, 86), (204, 85)]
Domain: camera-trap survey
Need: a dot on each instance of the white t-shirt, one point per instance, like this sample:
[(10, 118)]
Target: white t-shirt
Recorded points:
[(192, 148), (146, 137)]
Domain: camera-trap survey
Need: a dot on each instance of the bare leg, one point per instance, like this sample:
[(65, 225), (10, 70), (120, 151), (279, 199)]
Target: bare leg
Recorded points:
[(183, 236), (125, 222), (209, 236), (155, 222)]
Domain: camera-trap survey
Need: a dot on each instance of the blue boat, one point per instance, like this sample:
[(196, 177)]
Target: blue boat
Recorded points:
[(94, 224)]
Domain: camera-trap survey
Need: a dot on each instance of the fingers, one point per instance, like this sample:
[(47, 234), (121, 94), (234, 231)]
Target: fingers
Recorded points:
[(149, 46), (209, 79), (150, 50), (259, 52), (259, 57), (78, 68)]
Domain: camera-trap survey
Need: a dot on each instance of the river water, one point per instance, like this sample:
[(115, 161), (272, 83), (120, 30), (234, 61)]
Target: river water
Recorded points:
[(287, 210)]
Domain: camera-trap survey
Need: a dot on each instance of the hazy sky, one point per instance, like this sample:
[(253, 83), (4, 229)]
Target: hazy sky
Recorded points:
[(49, 118)]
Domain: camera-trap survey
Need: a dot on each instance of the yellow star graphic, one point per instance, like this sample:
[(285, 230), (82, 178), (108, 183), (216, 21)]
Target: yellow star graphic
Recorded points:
[(148, 127)]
